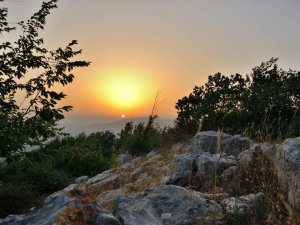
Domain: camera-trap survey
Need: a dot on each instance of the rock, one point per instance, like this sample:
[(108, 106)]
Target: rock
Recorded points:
[(229, 173), (287, 164), (135, 174), (205, 165), (106, 219), (124, 158), (152, 153), (168, 205), (164, 180), (100, 177), (244, 204), (208, 165), (247, 158), (183, 169), (105, 199), (184, 164), (199, 169), (108, 183), (82, 179), (206, 141), (69, 206)]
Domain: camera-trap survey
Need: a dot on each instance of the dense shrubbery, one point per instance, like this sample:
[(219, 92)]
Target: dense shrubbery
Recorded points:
[(262, 105), (139, 139), (56, 164)]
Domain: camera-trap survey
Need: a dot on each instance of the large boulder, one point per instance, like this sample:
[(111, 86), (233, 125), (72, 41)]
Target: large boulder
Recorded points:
[(69, 206), (286, 160), (208, 166), (247, 159), (207, 141), (199, 169), (168, 205)]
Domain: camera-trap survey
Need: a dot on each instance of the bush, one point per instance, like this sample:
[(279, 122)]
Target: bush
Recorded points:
[(265, 104), (140, 139), (45, 180), (78, 162), (16, 199)]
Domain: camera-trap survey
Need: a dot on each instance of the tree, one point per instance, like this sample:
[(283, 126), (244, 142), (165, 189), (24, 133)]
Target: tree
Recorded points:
[(265, 103), (28, 69)]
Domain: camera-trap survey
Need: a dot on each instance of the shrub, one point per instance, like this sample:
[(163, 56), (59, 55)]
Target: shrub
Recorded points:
[(16, 199), (45, 180), (265, 103)]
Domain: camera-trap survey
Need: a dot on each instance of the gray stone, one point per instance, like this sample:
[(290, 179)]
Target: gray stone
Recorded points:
[(135, 174), (106, 219), (244, 204), (166, 217), (124, 158), (155, 206), (106, 198), (206, 141), (69, 206), (208, 165), (183, 169), (287, 164), (152, 153), (108, 183), (82, 179), (229, 173), (184, 164), (247, 158), (164, 180), (100, 177)]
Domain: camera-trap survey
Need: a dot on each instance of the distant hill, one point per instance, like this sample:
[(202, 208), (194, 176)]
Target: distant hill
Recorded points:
[(115, 127)]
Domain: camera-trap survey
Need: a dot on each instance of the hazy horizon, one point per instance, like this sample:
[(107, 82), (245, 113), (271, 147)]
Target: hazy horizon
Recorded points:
[(138, 47)]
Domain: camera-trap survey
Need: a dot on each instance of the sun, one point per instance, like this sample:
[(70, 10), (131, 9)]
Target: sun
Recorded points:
[(124, 89), (123, 116)]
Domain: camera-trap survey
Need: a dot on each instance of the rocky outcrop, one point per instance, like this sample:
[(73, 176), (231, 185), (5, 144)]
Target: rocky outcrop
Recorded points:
[(124, 158), (215, 142), (168, 205), (286, 161), (184, 185), (69, 206)]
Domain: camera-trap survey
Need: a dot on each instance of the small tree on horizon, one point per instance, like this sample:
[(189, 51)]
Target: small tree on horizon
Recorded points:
[(27, 68)]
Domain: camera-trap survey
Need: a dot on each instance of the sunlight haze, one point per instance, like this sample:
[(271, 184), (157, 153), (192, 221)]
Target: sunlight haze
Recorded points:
[(138, 47)]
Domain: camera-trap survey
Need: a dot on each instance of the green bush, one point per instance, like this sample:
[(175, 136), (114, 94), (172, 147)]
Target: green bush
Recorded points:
[(263, 105), (140, 139), (16, 199), (78, 162), (45, 180)]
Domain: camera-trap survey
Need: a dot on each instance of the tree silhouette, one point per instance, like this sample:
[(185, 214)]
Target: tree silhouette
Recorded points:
[(28, 69), (264, 103)]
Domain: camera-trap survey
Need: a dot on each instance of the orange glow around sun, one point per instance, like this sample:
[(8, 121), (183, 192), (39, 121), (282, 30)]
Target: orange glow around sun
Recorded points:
[(124, 89)]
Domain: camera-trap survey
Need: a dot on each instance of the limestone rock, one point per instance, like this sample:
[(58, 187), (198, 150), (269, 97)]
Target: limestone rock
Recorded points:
[(108, 183), (229, 173), (106, 219), (82, 179), (247, 158), (206, 141), (168, 205), (124, 158), (244, 203), (69, 206), (287, 163)]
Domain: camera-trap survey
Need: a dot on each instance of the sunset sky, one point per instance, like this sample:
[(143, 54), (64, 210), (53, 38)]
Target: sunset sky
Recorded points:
[(138, 47)]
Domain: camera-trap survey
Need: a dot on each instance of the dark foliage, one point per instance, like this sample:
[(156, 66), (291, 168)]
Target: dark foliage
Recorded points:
[(28, 69), (262, 105)]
